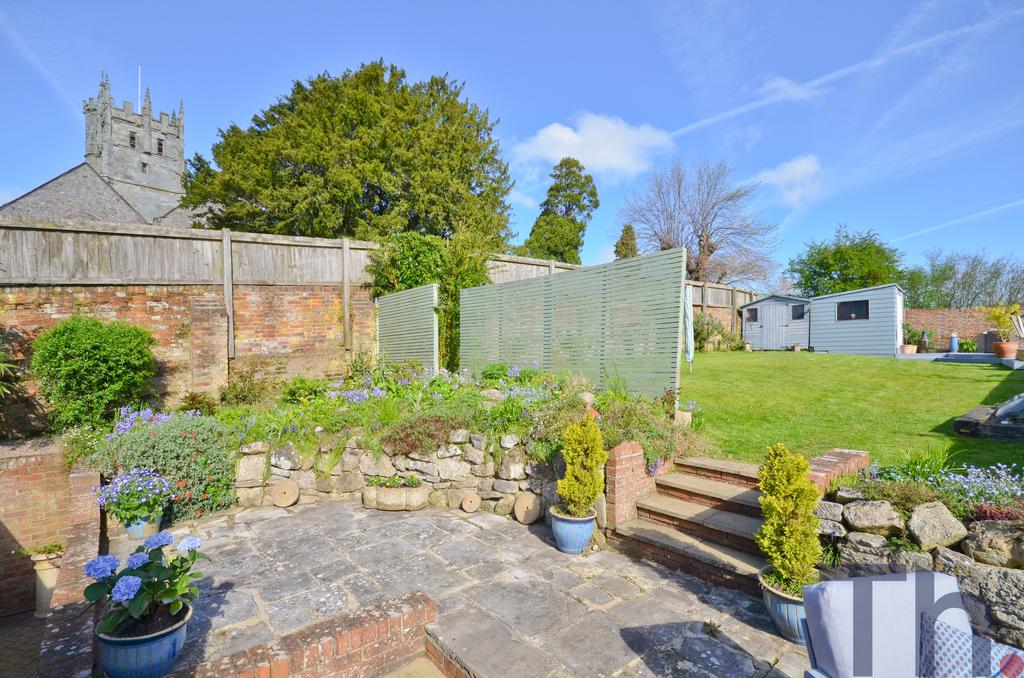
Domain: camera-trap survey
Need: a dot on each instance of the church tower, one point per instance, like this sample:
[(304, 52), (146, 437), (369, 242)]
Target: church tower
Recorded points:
[(141, 157)]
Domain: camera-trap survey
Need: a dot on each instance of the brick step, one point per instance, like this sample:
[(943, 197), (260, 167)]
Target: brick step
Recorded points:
[(725, 470), (717, 564), (723, 527), (718, 494)]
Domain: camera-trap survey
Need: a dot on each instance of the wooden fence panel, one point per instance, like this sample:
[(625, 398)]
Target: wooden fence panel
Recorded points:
[(407, 327)]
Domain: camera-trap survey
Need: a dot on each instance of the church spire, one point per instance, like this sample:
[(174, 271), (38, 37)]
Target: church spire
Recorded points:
[(147, 105)]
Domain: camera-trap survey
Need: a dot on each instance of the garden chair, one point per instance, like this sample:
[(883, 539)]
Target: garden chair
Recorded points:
[(891, 621)]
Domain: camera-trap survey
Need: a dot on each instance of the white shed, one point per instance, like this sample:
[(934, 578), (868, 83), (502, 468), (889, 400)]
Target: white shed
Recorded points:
[(868, 321), (775, 322)]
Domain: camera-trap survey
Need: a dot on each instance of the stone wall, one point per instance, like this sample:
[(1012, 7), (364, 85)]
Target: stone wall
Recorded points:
[(465, 471), (33, 509), (987, 557)]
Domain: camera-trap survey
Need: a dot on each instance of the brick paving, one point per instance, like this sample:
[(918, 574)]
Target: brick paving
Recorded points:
[(19, 644), (509, 603)]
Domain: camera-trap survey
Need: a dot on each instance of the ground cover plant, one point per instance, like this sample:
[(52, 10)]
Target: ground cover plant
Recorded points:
[(817, 402)]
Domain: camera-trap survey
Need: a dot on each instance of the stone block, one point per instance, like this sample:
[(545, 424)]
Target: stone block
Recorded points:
[(325, 485), (449, 451), (452, 469), (349, 462), (306, 480), (513, 464), (258, 447), (509, 440), (829, 510), (426, 467), (279, 473), (459, 436), (876, 517), (539, 469), (391, 498), (250, 496), (485, 485), (473, 455), (932, 525), (601, 511), (250, 471), (455, 496), (478, 441), (682, 419), (370, 497), (996, 542), (831, 528), (285, 458), (871, 541), (844, 495), (483, 470), (503, 507), (468, 484), (376, 467), (438, 498), (349, 481), (416, 498), (506, 486)]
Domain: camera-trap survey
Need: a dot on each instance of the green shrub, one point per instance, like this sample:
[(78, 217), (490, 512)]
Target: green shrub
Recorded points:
[(83, 443), (188, 451), (968, 346), (494, 372), (87, 369), (706, 328), (8, 374), (246, 384), (544, 439), (195, 401), (644, 421), (583, 451), (789, 535), (301, 389)]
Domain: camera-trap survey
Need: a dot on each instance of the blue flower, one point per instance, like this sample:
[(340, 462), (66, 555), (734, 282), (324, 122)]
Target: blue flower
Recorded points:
[(137, 560), (101, 567), (189, 543), (159, 539), (125, 589)]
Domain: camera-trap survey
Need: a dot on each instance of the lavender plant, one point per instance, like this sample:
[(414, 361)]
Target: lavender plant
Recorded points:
[(152, 581)]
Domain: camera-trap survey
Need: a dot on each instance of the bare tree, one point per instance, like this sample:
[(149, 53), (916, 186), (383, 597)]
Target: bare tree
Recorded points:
[(706, 212)]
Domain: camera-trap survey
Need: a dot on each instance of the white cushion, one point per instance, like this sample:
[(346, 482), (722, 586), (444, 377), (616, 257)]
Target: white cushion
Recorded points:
[(895, 619)]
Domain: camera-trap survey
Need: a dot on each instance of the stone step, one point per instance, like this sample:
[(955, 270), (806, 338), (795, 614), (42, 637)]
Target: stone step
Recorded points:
[(726, 470), (714, 563), (723, 527), (715, 493)]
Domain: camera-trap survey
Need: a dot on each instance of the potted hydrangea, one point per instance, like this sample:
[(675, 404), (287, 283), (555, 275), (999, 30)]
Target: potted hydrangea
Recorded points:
[(147, 605), (137, 499), (572, 522)]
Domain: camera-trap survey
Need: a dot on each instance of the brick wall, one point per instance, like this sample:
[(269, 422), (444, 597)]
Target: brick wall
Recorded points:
[(626, 480), (297, 329), (33, 512), (834, 463), (968, 323), (360, 644)]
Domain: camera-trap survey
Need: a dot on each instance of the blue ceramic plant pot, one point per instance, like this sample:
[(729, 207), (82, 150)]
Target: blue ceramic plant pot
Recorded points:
[(146, 656), (786, 611), (571, 534)]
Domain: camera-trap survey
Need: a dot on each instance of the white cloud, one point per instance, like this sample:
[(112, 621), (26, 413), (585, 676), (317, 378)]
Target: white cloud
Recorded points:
[(798, 180), (784, 89), (517, 197), (605, 145)]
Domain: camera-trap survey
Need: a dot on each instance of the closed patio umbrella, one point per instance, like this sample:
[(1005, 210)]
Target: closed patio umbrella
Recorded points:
[(688, 322)]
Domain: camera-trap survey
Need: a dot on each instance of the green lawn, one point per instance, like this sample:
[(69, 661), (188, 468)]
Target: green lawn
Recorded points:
[(817, 402)]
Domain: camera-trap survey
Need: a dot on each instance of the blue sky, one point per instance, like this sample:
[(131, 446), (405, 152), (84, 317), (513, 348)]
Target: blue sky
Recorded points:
[(902, 117)]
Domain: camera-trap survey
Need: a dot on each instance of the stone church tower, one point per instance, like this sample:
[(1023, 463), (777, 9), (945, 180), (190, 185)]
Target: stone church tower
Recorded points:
[(142, 158), (131, 175)]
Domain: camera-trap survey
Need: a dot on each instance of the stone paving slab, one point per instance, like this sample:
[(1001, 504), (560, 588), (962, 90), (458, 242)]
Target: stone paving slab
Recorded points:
[(509, 603), (20, 635)]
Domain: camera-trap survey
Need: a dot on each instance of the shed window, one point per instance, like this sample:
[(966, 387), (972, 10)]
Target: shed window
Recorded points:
[(852, 310), (131, 139), (159, 146), (798, 311), (752, 315)]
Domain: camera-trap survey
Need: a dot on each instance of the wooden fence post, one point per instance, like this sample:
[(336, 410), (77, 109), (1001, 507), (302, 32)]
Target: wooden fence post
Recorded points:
[(229, 291)]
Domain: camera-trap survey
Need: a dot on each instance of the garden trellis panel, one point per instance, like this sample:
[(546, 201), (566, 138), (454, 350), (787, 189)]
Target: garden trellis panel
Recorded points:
[(407, 327), (623, 319)]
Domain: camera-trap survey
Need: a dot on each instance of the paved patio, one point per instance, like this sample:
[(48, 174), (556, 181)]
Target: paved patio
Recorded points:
[(509, 603)]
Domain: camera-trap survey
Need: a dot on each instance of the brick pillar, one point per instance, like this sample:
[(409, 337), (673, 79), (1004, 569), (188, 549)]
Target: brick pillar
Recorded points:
[(835, 463), (626, 480), (209, 343)]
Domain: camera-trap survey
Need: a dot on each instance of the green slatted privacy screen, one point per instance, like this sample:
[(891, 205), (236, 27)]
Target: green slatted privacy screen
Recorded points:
[(407, 327), (620, 319)]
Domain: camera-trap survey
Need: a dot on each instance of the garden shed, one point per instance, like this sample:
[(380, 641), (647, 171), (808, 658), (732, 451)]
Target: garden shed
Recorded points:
[(775, 322), (867, 321)]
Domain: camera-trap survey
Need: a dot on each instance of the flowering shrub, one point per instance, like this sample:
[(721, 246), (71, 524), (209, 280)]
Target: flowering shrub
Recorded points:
[(992, 512), (697, 414), (1000, 485), (150, 582), (138, 495), (129, 418), (188, 451)]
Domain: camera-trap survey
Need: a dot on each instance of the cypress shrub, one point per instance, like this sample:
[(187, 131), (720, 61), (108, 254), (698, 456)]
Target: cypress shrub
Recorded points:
[(789, 535), (583, 451)]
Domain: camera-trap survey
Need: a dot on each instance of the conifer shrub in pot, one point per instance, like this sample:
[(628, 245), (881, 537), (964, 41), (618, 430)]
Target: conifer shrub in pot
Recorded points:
[(788, 538), (147, 605), (572, 521)]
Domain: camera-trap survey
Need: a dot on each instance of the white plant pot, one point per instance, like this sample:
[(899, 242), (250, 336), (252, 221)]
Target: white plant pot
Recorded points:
[(47, 567)]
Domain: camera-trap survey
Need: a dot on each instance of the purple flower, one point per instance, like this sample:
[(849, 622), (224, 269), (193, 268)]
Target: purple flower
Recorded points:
[(513, 371), (101, 567), (137, 560), (125, 589), (159, 539), (189, 543)]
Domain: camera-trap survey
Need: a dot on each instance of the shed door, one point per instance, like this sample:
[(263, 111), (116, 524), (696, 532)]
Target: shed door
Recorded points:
[(773, 327)]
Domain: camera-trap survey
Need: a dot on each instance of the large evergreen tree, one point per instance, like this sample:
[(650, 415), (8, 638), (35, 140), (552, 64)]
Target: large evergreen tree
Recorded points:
[(570, 202), (366, 154), (849, 261), (625, 248)]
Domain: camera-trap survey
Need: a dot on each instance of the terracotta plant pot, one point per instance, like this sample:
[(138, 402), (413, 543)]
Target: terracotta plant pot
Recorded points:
[(47, 566), (908, 349), (1005, 349)]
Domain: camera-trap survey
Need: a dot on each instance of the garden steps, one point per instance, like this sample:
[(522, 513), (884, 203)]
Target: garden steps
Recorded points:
[(700, 520), (715, 493), (726, 470), (712, 562)]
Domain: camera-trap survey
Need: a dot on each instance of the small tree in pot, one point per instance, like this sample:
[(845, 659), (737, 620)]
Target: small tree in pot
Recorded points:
[(788, 537), (1002, 319), (583, 450), (911, 337)]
